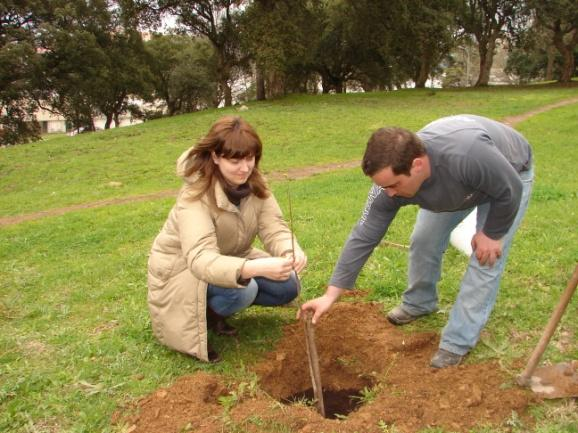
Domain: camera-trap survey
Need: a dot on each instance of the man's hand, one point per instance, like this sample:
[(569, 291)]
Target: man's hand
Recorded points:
[(320, 305), (487, 250)]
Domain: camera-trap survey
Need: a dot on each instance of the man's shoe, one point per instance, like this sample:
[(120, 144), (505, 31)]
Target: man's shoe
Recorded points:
[(398, 316), (443, 359)]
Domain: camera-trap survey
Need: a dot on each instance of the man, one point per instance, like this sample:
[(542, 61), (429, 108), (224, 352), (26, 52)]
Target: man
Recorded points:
[(448, 168)]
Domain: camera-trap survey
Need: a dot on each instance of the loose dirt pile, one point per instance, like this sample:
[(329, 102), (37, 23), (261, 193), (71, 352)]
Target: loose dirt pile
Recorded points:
[(385, 369)]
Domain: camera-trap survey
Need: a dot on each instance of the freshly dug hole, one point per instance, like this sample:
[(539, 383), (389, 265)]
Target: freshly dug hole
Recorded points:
[(357, 349), (343, 378), (337, 403), (288, 380)]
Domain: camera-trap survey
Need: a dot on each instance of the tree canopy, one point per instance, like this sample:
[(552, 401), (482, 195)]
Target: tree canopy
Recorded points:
[(18, 63), (560, 19), (183, 71), (80, 58)]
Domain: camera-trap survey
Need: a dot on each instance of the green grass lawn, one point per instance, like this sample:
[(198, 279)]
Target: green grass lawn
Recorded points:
[(75, 337), (297, 131)]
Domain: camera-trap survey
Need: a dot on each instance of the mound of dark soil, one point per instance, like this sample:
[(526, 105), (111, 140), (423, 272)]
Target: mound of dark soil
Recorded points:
[(374, 376)]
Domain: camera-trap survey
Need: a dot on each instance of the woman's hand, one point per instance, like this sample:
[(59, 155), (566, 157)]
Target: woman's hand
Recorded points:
[(274, 268), (300, 260)]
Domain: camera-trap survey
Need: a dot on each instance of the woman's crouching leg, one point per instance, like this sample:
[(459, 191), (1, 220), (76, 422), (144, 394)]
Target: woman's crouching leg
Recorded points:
[(273, 293), (228, 301)]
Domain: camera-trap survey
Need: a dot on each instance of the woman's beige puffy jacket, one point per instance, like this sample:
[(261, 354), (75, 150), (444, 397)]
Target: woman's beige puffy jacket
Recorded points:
[(199, 244)]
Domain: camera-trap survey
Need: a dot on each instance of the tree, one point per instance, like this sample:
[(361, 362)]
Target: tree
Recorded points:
[(531, 56), (18, 63), (123, 74), (336, 56), (280, 37), (526, 66), (422, 20), (91, 62), (70, 58), (183, 70), (217, 20), (375, 38), (487, 21), (560, 17)]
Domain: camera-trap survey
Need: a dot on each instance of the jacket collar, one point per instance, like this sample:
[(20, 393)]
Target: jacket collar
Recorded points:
[(222, 199)]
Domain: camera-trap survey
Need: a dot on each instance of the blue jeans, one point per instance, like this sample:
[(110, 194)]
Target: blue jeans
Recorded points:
[(259, 291), (479, 286)]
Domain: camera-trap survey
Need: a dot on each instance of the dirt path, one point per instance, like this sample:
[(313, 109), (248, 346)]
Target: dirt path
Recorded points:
[(294, 173), (514, 120)]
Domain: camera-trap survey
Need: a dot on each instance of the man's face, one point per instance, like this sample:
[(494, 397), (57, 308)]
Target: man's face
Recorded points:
[(400, 185)]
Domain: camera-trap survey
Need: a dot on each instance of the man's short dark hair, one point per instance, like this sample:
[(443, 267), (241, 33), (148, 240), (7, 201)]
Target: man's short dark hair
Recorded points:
[(391, 147)]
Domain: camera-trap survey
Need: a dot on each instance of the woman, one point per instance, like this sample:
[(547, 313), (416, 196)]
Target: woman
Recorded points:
[(202, 266)]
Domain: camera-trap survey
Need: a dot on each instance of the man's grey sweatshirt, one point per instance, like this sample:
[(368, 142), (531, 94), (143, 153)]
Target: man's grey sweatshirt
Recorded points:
[(473, 160)]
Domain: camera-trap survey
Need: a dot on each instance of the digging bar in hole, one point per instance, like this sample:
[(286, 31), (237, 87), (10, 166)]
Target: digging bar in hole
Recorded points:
[(312, 355)]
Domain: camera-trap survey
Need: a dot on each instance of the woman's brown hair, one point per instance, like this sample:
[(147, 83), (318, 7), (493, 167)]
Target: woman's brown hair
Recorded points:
[(230, 137)]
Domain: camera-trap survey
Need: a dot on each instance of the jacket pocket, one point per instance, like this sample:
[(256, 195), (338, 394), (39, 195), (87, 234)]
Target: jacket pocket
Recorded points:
[(161, 266)]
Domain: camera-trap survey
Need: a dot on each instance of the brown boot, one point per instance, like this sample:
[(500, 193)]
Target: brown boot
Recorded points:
[(217, 323), (214, 357)]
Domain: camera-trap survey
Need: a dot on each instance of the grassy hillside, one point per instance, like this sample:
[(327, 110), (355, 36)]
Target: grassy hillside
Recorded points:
[(75, 337), (297, 131)]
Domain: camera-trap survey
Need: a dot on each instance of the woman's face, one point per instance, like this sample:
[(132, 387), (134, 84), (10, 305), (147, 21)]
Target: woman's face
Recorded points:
[(236, 171)]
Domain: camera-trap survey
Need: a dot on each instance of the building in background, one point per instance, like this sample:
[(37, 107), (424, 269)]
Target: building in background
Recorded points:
[(51, 123)]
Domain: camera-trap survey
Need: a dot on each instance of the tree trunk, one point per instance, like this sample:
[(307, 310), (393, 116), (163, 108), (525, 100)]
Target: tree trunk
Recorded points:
[(260, 83), (551, 52), (568, 67), (333, 82), (227, 93), (276, 84), (566, 49), (325, 86), (223, 74), (486, 61), (118, 108), (170, 107), (108, 121), (423, 72)]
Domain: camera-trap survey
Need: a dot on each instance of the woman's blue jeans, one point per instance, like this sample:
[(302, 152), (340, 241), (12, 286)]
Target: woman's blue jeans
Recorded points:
[(479, 285), (259, 291)]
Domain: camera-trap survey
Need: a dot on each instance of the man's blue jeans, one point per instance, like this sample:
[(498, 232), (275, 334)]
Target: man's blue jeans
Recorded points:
[(259, 291), (479, 286)]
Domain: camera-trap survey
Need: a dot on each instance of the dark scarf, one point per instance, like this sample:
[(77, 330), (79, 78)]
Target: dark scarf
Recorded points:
[(235, 195)]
